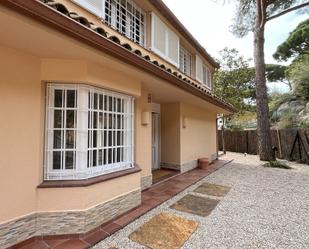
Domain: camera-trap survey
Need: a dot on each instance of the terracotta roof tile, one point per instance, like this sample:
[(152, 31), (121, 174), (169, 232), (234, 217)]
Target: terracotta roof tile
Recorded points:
[(113, 38), (127, 46), (100, 31)]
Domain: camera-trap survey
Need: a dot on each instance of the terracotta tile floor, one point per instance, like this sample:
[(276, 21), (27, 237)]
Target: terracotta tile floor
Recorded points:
[(162, 174), (151, 198)]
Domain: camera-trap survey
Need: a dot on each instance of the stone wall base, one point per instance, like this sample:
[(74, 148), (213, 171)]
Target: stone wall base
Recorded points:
[(188, 166), (61, 223), (182, 168), (146, 182)]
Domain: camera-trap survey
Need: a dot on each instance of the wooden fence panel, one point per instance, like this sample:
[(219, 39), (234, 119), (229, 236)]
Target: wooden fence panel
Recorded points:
[(291, 144), (304, 135), (252, 142), (287, 137), (301, 147), (275, 141), (235, 141)]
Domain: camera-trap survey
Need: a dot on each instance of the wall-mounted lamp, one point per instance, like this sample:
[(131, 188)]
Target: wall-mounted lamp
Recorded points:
[(145, 118), (184, 122), (149, 98)]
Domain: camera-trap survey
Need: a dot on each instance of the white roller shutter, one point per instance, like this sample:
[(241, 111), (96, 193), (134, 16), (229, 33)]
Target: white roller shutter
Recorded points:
[(199, 69), (173, 47), (164, 41), (209, 83), (94, 6), (159, 36), (206, 76)]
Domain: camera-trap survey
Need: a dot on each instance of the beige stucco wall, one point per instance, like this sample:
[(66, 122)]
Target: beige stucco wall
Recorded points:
[(22, 133), (170, 133), (143, 135), (68, 199), (181, 145), (199, 136), (75, 71)]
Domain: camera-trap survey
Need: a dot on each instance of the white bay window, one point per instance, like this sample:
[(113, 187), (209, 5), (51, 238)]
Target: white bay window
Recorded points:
[(123, 15), (89, 132)]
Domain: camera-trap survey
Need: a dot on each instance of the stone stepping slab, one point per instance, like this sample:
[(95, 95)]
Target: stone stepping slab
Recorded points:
[(164, 231), (212, 189), (201, 206)]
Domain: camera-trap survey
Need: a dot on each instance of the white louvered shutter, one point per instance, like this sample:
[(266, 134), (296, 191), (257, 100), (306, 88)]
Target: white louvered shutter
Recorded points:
[(199, 69), (173, 47), (164, 41), (158, 36), (208, 78), (94, 6), (205, 75)]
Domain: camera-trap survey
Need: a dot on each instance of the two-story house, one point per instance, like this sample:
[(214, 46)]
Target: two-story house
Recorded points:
[(95, 95)]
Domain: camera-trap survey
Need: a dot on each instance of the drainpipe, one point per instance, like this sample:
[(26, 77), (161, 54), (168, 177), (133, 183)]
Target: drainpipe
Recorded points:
[(222, 134)]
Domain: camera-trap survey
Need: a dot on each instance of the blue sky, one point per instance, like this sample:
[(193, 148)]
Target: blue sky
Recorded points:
[(209, 21)]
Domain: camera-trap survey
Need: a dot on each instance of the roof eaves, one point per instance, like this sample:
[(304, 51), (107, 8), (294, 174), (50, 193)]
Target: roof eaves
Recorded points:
[(169, 15), (57, 15)]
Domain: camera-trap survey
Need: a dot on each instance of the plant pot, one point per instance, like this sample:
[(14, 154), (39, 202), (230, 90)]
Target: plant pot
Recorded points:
[(203, 163)]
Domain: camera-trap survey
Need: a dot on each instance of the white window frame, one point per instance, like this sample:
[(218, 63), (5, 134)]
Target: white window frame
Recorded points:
[(131, 18), (121, 119), (207, 77), (167, 32), (185, 61), (86, 5)]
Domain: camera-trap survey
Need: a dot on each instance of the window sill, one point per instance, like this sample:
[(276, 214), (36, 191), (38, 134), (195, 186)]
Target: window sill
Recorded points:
[(90, 181)]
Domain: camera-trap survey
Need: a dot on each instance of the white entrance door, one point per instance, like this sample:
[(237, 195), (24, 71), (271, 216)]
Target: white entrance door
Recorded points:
[(155, 141)]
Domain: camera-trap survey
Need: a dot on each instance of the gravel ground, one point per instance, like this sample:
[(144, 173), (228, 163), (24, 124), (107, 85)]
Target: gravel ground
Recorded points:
[(266, 208)]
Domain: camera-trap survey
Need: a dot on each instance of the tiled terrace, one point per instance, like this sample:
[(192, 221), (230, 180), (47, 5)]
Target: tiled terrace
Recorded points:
[(151, 198)]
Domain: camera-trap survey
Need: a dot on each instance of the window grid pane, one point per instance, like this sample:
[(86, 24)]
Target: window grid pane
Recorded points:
[(107, 134), (207, 77), (63, 132), (108, 129), (126, 17), (185, 63)]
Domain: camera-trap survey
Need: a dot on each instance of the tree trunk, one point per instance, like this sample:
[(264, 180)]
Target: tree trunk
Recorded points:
[(263, 126)]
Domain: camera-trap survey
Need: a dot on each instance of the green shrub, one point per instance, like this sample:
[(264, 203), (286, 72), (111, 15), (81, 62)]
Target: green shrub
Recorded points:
[(277, 99), (288, 120), (235, 127), (304, 124), (277, 164)]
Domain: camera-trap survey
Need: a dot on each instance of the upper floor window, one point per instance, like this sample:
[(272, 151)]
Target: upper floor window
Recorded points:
[(206, 76), (89, 132), (127, 18), (164, 41), (123, 15), (203, 73), (185, 62)]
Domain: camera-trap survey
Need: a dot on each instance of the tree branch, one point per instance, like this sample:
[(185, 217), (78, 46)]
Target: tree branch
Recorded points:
[(259, 15), (287, 11), (263, 13), (269, 2)]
